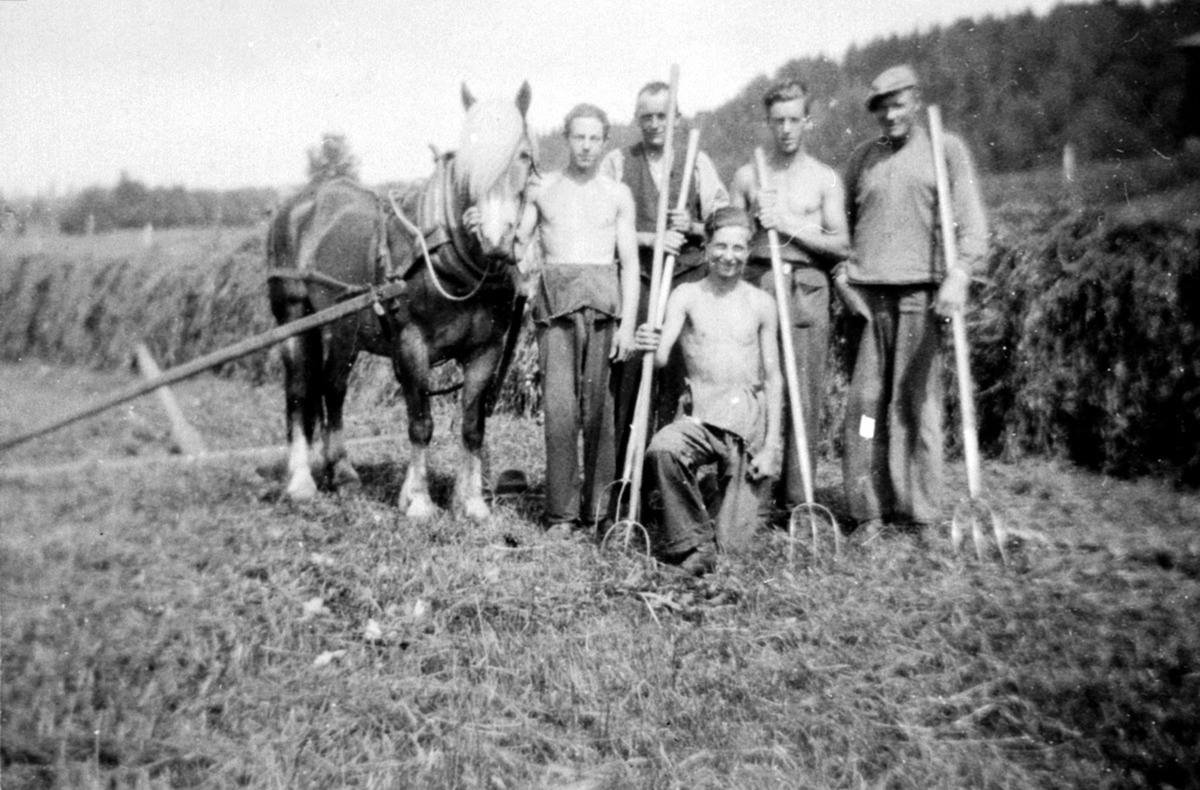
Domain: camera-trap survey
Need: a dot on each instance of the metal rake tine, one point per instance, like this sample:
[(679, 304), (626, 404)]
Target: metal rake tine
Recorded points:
[(1001, 537), (956, 534), (815, 513), (978, 537), (623, 487), (628, 525)]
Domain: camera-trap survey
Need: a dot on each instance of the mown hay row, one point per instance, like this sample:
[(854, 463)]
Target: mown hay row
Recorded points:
[(92, 311), (89, 305)]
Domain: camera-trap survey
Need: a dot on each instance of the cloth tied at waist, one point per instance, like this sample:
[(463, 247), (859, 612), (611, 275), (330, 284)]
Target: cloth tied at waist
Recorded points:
[(566, 288), (739, 409)]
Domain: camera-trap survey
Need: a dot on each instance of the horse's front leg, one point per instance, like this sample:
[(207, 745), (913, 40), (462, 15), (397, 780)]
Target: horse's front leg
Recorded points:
[(477, 381), (412, 370)]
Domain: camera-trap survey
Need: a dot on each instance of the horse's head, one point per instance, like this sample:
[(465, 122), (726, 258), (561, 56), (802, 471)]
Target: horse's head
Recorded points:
[(492, 167)]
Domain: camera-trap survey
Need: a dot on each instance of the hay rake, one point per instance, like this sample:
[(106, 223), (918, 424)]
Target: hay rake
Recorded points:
[(816, 517), (973, 512)]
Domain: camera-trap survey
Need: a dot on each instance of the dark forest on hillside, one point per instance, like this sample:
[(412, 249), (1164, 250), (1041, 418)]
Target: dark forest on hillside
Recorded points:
[(1104, 77)]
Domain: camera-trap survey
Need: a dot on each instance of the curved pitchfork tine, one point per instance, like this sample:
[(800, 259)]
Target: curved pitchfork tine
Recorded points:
[(624, 530), (820, 519), (973, 511)]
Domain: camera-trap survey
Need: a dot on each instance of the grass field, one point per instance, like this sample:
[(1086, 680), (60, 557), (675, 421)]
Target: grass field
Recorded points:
[(169, 624)]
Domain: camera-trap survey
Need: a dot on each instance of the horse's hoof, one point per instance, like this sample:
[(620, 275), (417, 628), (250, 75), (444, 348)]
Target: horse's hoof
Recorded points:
[(302, 488), (345, 478), (475, 509), (418, 508)]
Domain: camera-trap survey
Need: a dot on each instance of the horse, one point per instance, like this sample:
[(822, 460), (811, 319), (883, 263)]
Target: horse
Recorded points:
[(460, 299)]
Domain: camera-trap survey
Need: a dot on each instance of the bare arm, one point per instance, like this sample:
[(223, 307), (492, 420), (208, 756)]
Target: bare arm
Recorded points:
[(659, 341), (627, 258), (672, 324)]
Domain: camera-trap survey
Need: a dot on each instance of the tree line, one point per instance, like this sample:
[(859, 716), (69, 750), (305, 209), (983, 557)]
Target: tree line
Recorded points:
[(1104, 77), (132, 204)]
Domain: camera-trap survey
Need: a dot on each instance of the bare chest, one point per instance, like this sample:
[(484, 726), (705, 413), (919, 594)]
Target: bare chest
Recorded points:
[(568, 206), (799, 192)]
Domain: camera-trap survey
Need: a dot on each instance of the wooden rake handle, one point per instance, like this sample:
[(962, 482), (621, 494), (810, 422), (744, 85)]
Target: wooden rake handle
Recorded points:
[(962, 354)]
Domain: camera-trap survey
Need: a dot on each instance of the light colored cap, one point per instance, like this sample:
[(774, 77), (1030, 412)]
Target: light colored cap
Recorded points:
[(897, 78)]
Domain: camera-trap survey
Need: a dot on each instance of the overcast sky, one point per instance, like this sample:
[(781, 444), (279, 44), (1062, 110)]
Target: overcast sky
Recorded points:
[(228, 93)]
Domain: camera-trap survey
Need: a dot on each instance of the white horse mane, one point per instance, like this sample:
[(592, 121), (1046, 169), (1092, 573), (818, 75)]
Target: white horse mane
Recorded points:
[(492, 134)]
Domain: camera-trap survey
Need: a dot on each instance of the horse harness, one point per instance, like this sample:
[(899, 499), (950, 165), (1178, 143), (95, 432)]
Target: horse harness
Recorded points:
[(437, 226)]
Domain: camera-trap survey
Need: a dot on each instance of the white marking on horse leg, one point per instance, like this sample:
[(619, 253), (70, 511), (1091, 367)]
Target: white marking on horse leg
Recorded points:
[(301, 486), (414, 494), (468, 489), (342, 472)]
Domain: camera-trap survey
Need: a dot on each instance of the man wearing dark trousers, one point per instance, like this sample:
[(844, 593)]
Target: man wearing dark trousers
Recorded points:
[(898, 286), (640, 167)]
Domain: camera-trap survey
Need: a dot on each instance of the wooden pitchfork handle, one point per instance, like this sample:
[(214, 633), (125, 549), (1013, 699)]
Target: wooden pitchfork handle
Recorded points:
[(962, 356), (635, 453), (789, 355), (657, 313)]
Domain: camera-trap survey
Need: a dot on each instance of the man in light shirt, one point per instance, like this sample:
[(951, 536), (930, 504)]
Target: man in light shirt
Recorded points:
[(899, 287)]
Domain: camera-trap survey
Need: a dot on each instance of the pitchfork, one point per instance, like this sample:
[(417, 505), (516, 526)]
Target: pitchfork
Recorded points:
[(974, 510), (629, 485), (818, 517)]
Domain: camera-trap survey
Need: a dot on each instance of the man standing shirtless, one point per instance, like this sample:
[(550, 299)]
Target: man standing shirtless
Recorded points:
[(804, 202), (726, 329), (583, 296)]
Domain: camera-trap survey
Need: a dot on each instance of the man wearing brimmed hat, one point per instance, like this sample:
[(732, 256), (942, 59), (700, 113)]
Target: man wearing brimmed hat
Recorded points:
[(897, 285)]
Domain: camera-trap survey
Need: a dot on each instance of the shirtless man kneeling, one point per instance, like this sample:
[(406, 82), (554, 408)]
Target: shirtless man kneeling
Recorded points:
[(727, 330), (585, 311)]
